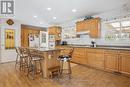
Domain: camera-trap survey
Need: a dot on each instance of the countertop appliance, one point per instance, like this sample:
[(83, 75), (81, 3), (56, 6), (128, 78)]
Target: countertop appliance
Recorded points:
[(93, 43), (64, 43)]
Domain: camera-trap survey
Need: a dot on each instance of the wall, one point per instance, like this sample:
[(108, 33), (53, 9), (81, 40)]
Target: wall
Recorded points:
[(9, 55), (86, 40)]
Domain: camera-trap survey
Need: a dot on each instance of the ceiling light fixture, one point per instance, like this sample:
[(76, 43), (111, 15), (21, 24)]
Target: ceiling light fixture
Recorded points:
[(35, 16), (41, 22), (74, 10), (54, 17), (49, 9)]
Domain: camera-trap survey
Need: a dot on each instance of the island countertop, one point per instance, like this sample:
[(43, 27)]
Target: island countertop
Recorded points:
[(49, 49)]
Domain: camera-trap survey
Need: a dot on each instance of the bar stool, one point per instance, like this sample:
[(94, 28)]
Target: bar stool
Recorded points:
[(17, 62), (23, 58), (66, 59), (35, 64)]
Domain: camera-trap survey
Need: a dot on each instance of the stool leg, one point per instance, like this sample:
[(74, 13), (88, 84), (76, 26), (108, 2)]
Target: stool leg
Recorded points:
[(69, 66), (41, 70), (61, 68), (16, 61)]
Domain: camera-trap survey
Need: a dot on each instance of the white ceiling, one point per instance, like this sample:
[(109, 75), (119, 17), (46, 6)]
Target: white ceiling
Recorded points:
[(62, 9)]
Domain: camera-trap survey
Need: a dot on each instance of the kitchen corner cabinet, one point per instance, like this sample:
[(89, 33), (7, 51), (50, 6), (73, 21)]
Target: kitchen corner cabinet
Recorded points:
[(92, 25), (79, 56), (55, 30)]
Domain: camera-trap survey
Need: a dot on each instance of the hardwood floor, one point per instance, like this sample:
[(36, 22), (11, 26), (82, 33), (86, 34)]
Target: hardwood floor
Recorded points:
[(81, 77)]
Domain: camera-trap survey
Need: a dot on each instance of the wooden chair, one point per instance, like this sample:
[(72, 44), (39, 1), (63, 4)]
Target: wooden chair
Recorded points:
[(23, 58), (17, 62)]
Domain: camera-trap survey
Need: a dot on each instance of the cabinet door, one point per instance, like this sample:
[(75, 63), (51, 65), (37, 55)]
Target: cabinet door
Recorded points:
[(99, 60), (96, 59), (125, 63), (51, 31), (79, 56), (24, 37), (94, 28), (80, 26), (91, 59), (111, 61)]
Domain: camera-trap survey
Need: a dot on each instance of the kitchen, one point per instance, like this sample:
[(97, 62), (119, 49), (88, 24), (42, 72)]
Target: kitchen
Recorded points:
[(94, 44)]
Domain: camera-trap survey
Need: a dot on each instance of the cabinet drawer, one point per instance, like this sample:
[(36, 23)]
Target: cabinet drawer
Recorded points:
[(110, 51), (125, 52)]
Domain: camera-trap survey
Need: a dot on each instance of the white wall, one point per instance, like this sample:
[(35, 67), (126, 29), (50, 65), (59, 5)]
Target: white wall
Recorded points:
[(9, 55), (86, 40)]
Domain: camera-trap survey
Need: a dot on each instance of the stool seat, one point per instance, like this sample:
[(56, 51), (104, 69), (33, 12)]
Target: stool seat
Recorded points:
[(64, 57)]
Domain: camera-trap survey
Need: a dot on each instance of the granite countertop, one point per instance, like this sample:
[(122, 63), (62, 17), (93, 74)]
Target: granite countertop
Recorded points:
[(48, 49), (103, 47)]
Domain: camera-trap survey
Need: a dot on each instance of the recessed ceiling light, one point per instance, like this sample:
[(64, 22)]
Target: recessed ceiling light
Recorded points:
[(74, 10), (54, 17), (49, 9), (35, 16), (41, 22)]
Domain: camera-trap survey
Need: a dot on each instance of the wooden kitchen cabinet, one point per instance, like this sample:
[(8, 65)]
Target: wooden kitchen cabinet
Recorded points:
[(91, 25), (26, 30), (124, 62), (25, 36), (111, 60), (95, 58), (95, 29), (104, 59), (55, 30), (80, 26), (79, 56)]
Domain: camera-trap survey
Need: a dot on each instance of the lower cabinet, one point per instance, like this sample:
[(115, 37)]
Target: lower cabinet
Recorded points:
[(105, 59), (111, 60), (124, 63), (95, 58), (79, 56)]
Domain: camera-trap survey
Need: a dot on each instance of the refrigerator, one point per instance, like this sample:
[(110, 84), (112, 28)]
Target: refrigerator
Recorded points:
[(34, 40)]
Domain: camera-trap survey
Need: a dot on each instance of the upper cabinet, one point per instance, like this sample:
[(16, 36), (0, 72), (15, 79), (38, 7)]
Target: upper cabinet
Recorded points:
[(92, 25), (55, 30)]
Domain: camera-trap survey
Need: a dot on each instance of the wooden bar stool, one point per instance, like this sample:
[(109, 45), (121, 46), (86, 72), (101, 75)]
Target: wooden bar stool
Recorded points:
[(23, 59), (35, 64), (17, 62)]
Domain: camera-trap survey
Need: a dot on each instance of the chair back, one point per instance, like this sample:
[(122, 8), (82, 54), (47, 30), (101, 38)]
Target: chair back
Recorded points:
[(17, 50), (71, 52)]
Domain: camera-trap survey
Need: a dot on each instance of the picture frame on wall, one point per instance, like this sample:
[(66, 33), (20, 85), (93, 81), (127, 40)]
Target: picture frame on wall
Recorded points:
[(9, 39)]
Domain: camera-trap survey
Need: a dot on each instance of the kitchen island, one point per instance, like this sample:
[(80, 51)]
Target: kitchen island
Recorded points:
[(50, 59)]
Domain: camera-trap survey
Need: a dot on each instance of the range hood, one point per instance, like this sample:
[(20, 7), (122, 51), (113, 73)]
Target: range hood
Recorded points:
[(83, 33)]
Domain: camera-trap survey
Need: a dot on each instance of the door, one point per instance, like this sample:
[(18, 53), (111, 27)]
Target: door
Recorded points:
[(43, 39)]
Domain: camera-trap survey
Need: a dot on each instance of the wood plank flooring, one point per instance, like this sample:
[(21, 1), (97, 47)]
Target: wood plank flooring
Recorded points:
[(81, 77)]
